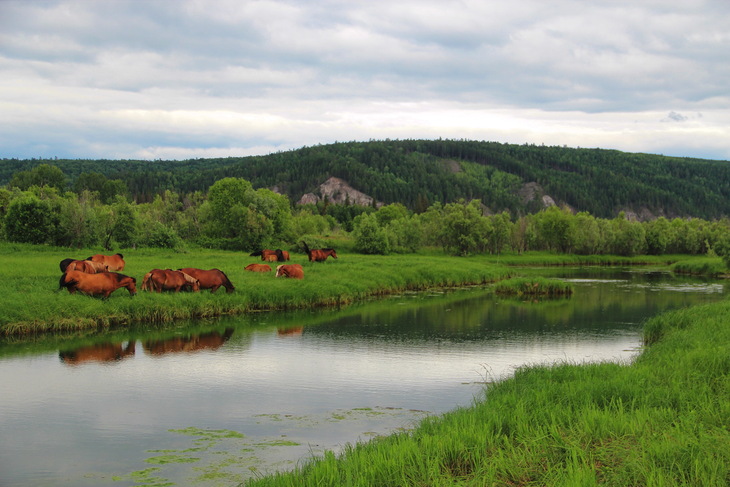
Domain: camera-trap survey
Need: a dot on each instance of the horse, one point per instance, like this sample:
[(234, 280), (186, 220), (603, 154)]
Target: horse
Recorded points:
[(257, 268), (115, 262), (295, 271), (277, 255), (103, 352), (168, 280), (319, 255), (100, 284), (211, 279), (86, 266)]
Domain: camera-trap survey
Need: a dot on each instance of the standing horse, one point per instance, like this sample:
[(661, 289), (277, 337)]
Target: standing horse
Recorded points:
[(277, 255), (257, 268), (168, 280), (115, 262), (295, 271), (101, 284), (319, 255), (82, 265), (211, 279)]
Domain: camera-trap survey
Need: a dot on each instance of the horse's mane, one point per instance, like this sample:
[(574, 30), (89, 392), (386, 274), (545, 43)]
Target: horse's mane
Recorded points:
[(120, 255), (64, 264), (254, 254)]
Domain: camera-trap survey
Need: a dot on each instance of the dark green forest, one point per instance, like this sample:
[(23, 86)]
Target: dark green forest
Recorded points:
[(419, 173)]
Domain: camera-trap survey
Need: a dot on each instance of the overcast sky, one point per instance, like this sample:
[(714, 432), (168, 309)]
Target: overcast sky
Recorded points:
[(209, 78)]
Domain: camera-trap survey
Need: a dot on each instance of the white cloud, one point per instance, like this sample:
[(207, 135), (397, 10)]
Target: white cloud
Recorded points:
[(149, 79)]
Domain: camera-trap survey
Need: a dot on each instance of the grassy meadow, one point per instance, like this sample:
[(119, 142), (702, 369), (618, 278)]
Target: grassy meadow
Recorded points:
[(661, 421)]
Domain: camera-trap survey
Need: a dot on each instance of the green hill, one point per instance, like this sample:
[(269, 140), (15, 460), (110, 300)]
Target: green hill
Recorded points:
[(418, 173)]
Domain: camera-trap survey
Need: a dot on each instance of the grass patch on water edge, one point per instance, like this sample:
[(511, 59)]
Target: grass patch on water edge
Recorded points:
[(534, 287), (661, 421)]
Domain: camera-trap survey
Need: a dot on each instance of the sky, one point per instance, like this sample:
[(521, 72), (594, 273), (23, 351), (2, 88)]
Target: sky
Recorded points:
[(182, 79)]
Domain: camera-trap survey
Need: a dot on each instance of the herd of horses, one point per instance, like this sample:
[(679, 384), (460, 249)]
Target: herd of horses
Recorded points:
[(98, 275)]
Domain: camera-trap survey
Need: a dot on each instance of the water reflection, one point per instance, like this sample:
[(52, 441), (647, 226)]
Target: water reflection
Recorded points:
[(186, 344), (100, 353)]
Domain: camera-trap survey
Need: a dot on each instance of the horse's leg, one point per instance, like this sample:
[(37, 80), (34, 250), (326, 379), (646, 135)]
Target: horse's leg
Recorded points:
[(215, 288)]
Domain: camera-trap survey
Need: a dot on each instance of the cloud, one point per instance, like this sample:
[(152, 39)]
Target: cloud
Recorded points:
[(128, 79)]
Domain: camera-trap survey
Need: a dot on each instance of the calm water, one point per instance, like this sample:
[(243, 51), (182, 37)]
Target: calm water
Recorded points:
[(220, 402)]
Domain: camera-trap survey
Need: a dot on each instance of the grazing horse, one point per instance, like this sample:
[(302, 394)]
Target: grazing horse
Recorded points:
[(101, 284), (115, 262), (319, 255), (168, 280), (86, 266), (294, 271), (277, 255), (103, 352), (211, 279), (257, 268)]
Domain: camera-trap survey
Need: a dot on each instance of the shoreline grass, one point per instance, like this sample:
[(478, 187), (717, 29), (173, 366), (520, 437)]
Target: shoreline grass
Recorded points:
[(661, 421), (534, 287)]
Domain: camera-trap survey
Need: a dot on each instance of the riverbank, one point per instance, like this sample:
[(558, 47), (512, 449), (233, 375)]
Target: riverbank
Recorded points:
[(659, 421), (32, 303)]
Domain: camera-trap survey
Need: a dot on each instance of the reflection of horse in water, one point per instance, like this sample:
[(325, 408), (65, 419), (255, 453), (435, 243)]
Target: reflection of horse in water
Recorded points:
[(193, 343), (267, 255), (104, 352), (291, 331)]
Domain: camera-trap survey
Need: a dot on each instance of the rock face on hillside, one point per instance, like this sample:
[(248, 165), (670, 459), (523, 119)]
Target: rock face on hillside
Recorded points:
[(532, 191), (337, 191)]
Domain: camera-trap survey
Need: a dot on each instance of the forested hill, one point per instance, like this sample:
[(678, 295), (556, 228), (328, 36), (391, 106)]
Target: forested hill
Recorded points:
[(418, 173)]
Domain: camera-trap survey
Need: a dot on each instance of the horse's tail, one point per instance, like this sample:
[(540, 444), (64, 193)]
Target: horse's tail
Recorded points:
[(306, 248), (255, 254), (146, 282)]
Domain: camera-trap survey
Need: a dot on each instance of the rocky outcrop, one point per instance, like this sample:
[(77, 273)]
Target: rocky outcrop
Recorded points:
[(337, 191)]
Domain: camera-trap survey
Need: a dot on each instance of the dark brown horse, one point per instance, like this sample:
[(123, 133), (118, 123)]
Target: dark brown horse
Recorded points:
[(103, 352), (211, 279), (319, 255), (101, 284), (114, 262), (277, 255), (295, 271), (257, 268), (168, 280)]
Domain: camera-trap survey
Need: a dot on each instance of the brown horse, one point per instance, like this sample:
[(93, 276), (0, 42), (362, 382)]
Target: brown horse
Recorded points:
[(103, 352), (101, 284), (114, 262), (168, 280), (257, 268), (211, 279), (319, 255), (277, 255), (295, 271), (86, 266)]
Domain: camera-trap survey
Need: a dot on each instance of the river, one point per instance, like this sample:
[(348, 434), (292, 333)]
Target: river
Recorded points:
[(214, 403)]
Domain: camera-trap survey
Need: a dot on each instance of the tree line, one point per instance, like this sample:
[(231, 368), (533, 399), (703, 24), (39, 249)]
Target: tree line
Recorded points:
[(419, 173), (233, 215)]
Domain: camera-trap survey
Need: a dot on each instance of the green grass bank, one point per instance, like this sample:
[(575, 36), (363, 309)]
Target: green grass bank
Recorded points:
[(661, 421)]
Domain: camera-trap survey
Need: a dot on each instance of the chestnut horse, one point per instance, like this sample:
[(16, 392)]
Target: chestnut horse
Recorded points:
[(83, 266), (319, 255), (294, 271), (101, 284), (211, 279), (168, 280), (277, 255), (257, 268), (115, 262)]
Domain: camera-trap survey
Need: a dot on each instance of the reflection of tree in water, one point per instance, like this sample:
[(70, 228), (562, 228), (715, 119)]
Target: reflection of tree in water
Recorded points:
[(102, 352), (191, 343)]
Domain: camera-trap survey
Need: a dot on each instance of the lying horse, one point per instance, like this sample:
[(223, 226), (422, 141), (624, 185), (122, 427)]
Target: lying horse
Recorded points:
[(319, 255), (86, 266), (257, 268), (294, 271), (114, 262), (277, 255), (168, 280), (211, 279), (101, 284)]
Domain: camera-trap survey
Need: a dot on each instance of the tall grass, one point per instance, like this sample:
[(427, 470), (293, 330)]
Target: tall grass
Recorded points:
[(662, 421), (534, 286)]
